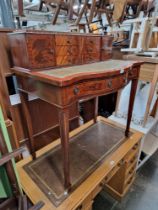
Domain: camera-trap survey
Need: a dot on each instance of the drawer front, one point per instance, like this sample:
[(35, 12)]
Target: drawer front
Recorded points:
[(92, 41), (91, 49), (67, 50), (93, 87), (129, 180), (91, 57), (133, 73), (106, 54), (67, 60), (67, 40), (116, 82), (132, 156), (91, 44), (131, 169), (41, 50), (107, 42)]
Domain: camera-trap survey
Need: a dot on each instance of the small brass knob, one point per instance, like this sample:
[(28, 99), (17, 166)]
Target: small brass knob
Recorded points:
[(76, 90), (110, 84), (51, 51)]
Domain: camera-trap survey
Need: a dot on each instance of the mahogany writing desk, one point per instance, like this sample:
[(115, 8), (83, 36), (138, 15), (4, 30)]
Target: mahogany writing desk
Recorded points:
[(64, 86)]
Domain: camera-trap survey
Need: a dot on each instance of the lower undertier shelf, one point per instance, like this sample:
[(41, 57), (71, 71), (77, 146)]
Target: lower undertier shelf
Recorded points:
[(87, 150)]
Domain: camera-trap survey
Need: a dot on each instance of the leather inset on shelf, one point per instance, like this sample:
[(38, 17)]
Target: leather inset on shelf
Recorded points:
[(87, 151)]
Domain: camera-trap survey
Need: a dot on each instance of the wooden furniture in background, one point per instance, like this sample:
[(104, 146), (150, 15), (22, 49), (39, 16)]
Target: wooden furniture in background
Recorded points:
[(6, 160), (20, 8), (142, 34), (124, 159), (57, 5), (148, 73), (64, 87), (5, 72)]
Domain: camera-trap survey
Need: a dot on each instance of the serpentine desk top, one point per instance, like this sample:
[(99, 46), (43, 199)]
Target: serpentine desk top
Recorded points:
[(67, 75)]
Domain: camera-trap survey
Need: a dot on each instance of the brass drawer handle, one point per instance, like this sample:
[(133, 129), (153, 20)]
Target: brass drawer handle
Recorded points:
[(135, 147), (51, 51), (110, 84), (131, 171), (129, 182), (122, 162), (76, 90), (133, 159)]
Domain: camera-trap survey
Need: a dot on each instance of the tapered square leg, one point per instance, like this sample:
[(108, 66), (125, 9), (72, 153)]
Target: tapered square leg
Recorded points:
[(64, 135)]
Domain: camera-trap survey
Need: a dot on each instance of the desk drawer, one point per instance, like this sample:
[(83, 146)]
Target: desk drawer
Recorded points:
[(67, 40), (67, 60), (115, 83), (91, 44), (92, 41), (72, 50), (131, 168), (91, 57), (94, 87)]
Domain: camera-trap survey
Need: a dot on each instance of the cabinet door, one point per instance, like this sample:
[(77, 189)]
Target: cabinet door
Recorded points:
[(41, 50)]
